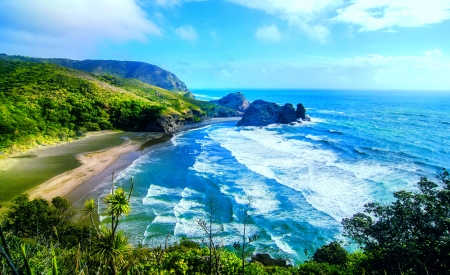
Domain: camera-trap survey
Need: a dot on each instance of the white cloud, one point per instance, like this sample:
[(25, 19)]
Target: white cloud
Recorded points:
[(53, 25), (313, 17), (434, 52), (188, 33), (168, 3), (268, 34), (171, 3), (431, 59), (384, 14), (309, 16)]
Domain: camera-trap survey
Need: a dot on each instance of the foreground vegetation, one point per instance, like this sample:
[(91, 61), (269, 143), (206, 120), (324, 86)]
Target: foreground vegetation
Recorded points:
[(43, 103), (409, 236)]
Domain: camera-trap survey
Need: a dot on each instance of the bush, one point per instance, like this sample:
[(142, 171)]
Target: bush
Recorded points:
[(410, 235), (332, 253)]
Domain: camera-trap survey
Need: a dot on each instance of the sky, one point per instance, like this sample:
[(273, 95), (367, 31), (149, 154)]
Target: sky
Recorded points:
[(281, 44)]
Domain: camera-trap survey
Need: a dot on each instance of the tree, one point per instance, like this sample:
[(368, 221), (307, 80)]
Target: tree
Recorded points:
[(111, 244), (31, 218), (89, 207), (332, 253), (211, 232), (412, 234), (242, 246)]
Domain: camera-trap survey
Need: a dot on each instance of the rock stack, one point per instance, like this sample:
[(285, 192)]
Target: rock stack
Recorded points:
[(263, 113)]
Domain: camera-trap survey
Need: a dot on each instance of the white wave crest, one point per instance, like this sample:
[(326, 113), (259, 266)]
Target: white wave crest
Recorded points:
[(316, 173)]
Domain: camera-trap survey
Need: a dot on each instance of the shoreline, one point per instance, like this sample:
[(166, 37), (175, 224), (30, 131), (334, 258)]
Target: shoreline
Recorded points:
[(91, 165), (125, 160)]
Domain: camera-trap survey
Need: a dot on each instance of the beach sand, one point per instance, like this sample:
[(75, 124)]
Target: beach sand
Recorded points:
[(91, 164), (22, 173), (72, 169)]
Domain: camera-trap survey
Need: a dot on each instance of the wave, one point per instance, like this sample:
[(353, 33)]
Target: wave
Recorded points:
[(409, 114), (206, 97), (304, 168), (336, 132), (323, 139), (445, 122), (385, 152), (360, 152)]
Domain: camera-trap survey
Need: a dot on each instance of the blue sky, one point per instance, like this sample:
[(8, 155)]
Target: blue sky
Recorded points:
[(318, 44)]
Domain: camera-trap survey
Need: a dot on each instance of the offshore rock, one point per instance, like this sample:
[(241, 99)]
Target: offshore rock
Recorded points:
[(260, 113), (287, 114), (263, 113), (236, 101), (301, 112)]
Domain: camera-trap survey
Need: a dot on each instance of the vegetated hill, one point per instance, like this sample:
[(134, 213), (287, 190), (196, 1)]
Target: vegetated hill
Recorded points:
[(44, 103), (142, 71)]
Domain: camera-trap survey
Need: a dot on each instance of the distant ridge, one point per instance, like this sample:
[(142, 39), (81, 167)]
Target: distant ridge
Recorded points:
[(142, 71)]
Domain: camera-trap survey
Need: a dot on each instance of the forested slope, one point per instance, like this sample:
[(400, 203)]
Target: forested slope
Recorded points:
[(44, 103), (142, 71)]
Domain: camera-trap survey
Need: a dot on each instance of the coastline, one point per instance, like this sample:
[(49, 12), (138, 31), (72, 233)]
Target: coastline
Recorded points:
[(82, 171), (92, 163), (125, 160)]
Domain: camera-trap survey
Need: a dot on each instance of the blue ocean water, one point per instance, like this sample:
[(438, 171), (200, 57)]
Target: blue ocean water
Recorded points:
[(301, 180)]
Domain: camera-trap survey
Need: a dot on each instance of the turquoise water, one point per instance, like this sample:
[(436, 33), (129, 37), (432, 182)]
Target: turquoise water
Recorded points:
[(301, 180)]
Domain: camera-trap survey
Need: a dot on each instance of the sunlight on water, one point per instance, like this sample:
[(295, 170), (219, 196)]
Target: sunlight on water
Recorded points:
[(301, 180)]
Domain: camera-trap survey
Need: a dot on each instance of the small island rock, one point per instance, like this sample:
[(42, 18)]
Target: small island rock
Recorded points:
[(236, 101)]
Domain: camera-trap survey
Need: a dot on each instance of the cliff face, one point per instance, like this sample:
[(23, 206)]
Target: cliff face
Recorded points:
[(173, 123), (263, 113), (236, 101), (144, 72)]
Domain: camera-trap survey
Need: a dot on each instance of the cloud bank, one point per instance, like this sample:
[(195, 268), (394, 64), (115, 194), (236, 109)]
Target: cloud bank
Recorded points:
[(315, 17), (52, 24), (425, 71), (306, 15), (384, 14)]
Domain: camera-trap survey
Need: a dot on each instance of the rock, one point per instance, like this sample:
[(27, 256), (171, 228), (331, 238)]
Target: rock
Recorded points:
[(173, 123), (287, 114), (236, 101), (260, 113), (263, 113), (167, 124), (266, 260), (301, 111)]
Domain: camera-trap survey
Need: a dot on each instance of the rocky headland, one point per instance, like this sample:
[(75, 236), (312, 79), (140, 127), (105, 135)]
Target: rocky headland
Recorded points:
[(236, 101), (263, 113)]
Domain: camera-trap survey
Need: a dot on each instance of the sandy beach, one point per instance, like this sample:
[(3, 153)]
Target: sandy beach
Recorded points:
[(57, 170), (91, 164)]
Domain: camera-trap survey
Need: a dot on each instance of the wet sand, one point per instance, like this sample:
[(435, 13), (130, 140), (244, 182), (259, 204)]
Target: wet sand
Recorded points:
[(73, 169), (81, 193), (22, 173)]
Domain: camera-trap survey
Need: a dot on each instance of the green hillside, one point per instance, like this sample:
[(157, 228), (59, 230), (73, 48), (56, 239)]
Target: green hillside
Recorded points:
[(45, 103), (142, 71)]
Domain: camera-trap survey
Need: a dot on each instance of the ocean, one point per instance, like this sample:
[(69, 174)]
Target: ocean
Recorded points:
[(299, 181)]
